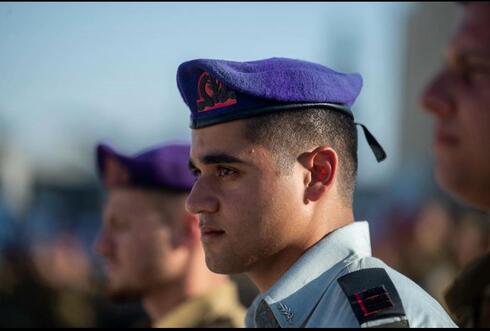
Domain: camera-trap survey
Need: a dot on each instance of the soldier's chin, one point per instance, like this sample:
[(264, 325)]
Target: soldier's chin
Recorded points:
[(224, 267), (123, 295)]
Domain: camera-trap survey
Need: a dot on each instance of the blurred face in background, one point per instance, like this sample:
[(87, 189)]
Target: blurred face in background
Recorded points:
[(459, 99), (139, 241)]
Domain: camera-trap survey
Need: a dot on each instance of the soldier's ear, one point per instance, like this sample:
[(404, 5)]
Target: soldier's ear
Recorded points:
[(116, 173), (321, 165)]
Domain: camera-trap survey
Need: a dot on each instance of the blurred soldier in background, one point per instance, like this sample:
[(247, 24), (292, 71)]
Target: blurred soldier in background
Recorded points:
[(459, 99), (152, 246)]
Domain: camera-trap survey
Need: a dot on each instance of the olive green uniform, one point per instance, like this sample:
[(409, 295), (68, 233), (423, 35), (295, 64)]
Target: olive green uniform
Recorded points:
[(468, 298), (219, 308)]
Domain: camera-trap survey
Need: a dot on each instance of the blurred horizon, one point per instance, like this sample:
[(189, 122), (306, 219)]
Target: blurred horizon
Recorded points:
[(77, 73)]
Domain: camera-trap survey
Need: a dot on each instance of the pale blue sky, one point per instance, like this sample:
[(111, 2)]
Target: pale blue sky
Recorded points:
[(75, 73)]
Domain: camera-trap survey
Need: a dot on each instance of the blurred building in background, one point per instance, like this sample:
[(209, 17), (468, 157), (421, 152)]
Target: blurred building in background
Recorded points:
[(74, 74)]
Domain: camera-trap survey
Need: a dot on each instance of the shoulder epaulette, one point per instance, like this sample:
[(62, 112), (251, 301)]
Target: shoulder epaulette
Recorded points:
[(374, 299)]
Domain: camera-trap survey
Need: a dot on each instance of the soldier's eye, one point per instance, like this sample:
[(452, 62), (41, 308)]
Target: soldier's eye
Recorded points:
[(119, 224), (472, 73), (475, 74), (195, 172), (225, 171)]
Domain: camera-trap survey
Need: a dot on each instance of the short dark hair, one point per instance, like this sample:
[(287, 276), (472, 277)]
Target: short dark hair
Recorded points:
[(289, 133)]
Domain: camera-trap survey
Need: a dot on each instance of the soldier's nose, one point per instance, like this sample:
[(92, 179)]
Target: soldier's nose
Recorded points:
[(436, 98), (201, 200)]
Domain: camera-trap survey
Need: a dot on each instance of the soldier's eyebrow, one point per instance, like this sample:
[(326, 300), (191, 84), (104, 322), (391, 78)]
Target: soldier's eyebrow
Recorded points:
[(220, 158), (216, 158)]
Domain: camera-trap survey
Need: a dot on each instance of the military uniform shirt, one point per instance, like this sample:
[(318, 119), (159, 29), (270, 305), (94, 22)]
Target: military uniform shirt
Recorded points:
[(309, 295), (219, 308)]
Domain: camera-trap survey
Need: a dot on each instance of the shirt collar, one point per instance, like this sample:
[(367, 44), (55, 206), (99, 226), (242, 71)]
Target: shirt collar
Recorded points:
[(311, 274)]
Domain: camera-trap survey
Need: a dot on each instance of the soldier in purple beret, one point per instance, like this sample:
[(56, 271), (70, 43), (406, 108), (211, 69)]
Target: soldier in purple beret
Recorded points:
[(151, 244), (274, 151), (459, 100)]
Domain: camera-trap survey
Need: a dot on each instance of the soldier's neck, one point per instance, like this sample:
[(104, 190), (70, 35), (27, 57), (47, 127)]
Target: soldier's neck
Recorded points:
[(162, 301), (267, 272), (196, 281)]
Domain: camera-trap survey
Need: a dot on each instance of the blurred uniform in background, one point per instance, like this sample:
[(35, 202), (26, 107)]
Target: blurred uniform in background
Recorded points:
[(459, 99), (152, 246)]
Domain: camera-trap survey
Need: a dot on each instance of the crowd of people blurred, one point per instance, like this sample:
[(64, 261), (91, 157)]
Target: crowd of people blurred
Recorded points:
[(49, 273), (432, 243)]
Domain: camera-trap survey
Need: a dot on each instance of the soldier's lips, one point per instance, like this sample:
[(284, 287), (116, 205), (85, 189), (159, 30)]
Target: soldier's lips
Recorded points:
[(111, 267), (111, 273), (209, 233), (444, 138)]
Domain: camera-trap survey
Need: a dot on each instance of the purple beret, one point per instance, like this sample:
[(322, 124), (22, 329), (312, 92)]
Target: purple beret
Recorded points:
[(218, 91), (162, 167)]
